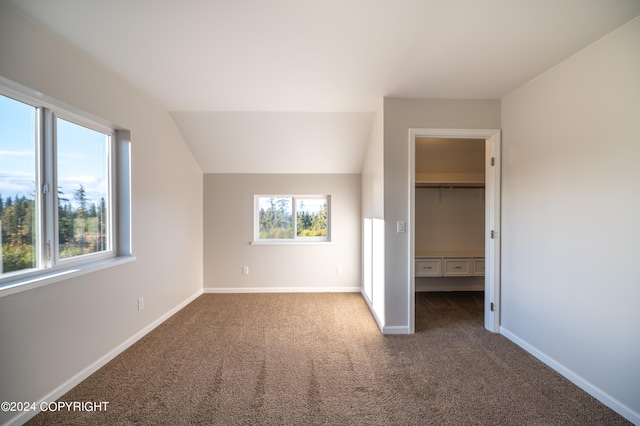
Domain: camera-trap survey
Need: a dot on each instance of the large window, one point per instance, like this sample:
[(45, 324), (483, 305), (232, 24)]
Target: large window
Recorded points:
[(82, 164), (58, 189), (18, 201), (292, 218)]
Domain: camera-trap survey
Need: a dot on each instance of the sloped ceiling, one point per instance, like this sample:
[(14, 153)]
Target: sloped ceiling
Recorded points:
[(253, 83), (276, 142)]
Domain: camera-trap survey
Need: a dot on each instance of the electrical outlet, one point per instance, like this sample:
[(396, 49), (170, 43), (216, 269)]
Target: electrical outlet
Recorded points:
[(339, 270), (245, 270), (140, 303)]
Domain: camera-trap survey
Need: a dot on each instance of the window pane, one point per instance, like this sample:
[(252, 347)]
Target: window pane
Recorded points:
[(311, 214), (83, 189), (17, 185), (275, 217)]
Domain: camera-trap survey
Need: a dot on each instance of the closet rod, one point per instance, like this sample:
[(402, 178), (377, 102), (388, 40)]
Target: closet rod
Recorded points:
[(448, 187)]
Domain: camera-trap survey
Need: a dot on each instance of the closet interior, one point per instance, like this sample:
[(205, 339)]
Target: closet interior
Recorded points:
[(449, 214)]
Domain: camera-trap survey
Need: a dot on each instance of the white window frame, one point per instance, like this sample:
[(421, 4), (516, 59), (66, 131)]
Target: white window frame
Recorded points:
[(295, 239), (49, 267)]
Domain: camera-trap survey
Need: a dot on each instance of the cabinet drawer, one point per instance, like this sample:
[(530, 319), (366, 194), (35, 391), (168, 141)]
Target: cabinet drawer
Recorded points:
[(457, 267), (478, 267), (428, 267)]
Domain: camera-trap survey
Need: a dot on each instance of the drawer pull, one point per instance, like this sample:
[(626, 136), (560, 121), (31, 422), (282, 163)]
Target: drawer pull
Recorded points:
[(458, 267)]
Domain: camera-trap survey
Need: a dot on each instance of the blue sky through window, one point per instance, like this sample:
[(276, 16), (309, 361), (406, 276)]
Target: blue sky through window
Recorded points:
[(82, 160), (17, 148), (81, 155)]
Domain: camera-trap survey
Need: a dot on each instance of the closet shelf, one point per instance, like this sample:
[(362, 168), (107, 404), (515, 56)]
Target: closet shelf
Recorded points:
[(449, 180), (449, 253), (450, 185)]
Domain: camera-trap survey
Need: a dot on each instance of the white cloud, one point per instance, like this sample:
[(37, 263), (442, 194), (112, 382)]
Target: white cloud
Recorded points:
[(12, 184)]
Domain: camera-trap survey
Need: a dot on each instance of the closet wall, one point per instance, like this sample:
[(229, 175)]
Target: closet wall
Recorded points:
[(450, 210)]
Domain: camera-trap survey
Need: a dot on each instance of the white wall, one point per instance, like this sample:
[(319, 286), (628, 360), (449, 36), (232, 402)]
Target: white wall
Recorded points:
[(228, 232), (400, 115), (50, 334), (373, 170), (571, 204), (372, 201), (449, 220)]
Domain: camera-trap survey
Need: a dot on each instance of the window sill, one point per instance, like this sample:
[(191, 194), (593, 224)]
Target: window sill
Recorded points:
[(289, 243), (46, 278)]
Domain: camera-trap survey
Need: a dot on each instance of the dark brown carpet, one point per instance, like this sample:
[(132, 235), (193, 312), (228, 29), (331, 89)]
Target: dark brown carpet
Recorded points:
[(310, 359)]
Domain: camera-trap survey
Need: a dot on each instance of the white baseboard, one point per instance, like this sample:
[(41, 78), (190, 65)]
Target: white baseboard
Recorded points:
[(438, 287), (95, 366), (384, 329), (373, 312), (282, 290), (395, 329), (425, 284), (577, 380)]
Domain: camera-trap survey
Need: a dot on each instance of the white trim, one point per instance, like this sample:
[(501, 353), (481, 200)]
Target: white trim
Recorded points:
[(295, 239), (43, 279), (123, 236), (492, 217), (99, 363), (448, 287), (30, 96), (282, 290), (290, 242), (373, 312), (396, 329), (576, 379)]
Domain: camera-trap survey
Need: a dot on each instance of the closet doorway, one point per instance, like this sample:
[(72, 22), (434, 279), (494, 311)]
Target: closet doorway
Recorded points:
[(461, 184)]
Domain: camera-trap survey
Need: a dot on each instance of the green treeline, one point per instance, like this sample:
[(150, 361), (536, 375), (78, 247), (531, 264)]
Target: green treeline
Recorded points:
[(276, 221), (312, 224), (82, 229), (18, 223)]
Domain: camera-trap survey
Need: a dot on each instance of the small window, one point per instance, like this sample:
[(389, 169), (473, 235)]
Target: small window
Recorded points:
[(292, 218)]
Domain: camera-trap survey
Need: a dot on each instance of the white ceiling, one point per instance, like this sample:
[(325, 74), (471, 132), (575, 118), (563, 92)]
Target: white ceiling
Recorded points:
[(243, 76), (276, 142)]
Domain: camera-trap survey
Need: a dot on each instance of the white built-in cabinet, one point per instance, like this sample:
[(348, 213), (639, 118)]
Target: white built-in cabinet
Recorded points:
[(449, 265), (449, 214)]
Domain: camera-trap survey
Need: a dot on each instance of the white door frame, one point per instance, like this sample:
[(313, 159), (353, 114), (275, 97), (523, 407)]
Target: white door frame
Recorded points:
[(492, 217)]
